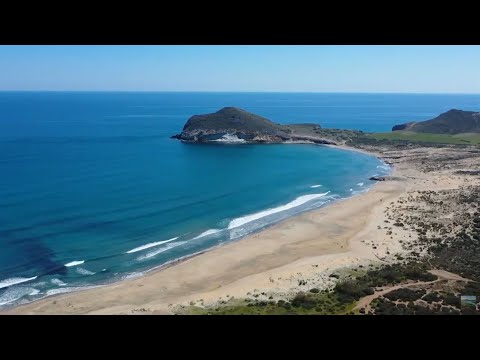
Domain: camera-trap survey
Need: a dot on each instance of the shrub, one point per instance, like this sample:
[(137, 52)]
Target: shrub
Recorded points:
[(431, 297), (445, 310), (417, 273), (303, 300), (451, 299), (350, 290), (404, 294), (369, 291)]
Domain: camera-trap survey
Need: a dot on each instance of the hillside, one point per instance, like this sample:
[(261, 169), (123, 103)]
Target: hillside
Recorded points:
[(234, 119), (234, 125), (450, 122)]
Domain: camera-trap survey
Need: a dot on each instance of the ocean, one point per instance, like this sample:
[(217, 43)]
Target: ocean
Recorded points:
[(93, 190)]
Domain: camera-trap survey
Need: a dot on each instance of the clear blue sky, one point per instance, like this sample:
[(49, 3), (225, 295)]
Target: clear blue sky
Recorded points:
[(431, 69)]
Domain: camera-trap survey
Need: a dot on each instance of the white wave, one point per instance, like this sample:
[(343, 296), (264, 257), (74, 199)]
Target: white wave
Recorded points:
[(206, 233), (34, 292), (351, 189), (58, 291), (358, 192), (57, 282), (148, 246), (83, 271), (158, 251), (132, 276), (360, 184), (69, 289), (14, 294), (74, 263), (252, 217), (13, 281), (229, 138), (315, 186), (383, 167)]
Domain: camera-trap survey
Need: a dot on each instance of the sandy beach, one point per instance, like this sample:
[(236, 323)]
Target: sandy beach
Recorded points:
[(296, 254)]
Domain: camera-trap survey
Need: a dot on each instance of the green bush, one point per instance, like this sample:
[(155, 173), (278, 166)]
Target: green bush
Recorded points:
[(451, 299), (351, 290), (303, 300), (431, 297), (404, 295)]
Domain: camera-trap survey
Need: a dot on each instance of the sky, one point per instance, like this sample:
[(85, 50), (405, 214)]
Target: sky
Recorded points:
[(293, 68)]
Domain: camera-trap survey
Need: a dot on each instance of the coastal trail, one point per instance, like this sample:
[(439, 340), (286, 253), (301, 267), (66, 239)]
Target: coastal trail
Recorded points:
[(442, 276)]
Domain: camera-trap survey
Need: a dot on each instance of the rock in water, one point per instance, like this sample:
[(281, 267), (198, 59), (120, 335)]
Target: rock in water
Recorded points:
[(386, 178)]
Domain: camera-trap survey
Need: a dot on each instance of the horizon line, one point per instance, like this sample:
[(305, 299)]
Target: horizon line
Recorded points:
[(245, 92)]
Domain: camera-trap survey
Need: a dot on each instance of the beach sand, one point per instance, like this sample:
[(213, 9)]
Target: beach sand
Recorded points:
[(297, 254)]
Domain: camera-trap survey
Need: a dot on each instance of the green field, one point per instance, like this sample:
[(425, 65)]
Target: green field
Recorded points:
[(466, 139)]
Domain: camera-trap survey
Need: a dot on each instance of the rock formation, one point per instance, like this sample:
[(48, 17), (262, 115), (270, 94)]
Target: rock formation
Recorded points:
[(234, 125)]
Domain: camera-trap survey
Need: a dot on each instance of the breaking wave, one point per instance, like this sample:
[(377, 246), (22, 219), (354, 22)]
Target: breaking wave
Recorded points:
[(252, 217), (12, 281), (150, 245), (206, 233), (74, 263)]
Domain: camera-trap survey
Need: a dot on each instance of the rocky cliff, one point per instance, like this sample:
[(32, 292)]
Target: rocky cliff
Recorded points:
[(234, 125)]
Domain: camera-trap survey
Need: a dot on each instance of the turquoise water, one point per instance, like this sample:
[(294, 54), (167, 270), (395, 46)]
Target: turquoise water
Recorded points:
[(93, 190)]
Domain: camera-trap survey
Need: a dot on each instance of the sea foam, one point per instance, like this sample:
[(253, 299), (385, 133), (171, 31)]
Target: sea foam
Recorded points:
[(150, 245), (83, 271), (206, 233), (158, 251), (132, 275), (12, 281), (13, 294), (315, 186), (360, 184), (69, 289), (230, 138), (57, 282), (252, 217), (74, 263)]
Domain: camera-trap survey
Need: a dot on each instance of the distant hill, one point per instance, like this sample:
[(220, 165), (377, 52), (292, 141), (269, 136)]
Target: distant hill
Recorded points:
[(232, 124), (450, 122), (234, 119)]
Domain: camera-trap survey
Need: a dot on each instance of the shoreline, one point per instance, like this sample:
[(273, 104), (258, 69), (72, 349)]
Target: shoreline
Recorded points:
[(151, 274), (182, 259)]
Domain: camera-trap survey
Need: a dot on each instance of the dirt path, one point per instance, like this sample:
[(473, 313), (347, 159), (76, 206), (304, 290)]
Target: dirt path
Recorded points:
[(442, 275), (445, 275)]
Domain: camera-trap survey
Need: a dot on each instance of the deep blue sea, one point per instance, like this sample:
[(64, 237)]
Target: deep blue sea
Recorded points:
[(93, 190)]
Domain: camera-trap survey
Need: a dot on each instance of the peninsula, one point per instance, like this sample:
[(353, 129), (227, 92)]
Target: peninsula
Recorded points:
[(234, 125)]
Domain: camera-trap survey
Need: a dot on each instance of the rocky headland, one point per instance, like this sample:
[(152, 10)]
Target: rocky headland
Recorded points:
[(234, 125)]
